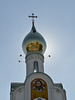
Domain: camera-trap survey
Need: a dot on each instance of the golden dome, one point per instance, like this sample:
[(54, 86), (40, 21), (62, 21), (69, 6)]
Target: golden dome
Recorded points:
[(34, 42)]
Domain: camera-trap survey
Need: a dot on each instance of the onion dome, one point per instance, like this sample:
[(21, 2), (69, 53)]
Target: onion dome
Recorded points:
[(34, 42)]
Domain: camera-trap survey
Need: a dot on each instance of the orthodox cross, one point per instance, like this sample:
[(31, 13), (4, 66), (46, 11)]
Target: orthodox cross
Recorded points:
[(32, 16)]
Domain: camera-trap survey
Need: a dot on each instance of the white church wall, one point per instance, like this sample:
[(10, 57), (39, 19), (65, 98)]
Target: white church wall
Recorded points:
[(58, 94), (24, 92), (42, 76), (19, 94), (30, 59)]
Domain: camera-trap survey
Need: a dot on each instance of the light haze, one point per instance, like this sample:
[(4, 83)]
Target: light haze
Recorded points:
[(56, 23)]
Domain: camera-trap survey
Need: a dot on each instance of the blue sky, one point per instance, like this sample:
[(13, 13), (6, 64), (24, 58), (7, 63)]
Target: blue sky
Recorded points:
[(56, 22)]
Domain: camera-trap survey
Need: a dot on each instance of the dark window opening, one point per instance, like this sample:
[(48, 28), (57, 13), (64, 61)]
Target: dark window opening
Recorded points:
[(35, 66), (39, 99)]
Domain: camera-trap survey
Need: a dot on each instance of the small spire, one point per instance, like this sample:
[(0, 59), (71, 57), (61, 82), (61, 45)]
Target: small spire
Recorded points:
[(33, 27)]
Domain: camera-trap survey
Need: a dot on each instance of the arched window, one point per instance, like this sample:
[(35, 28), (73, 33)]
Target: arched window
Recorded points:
[(39, 99), (35, 66)]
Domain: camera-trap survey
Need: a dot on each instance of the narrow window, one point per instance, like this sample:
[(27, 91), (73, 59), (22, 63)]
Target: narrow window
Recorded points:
[(35, 66)]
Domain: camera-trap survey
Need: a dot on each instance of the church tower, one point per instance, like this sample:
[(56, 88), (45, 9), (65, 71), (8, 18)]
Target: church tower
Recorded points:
[(38, 85)]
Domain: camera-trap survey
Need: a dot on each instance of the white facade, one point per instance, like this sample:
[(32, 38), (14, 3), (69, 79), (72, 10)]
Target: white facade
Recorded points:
[(55, 91)]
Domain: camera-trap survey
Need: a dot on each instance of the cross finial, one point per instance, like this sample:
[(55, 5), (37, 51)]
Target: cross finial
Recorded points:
[(32, 16)]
